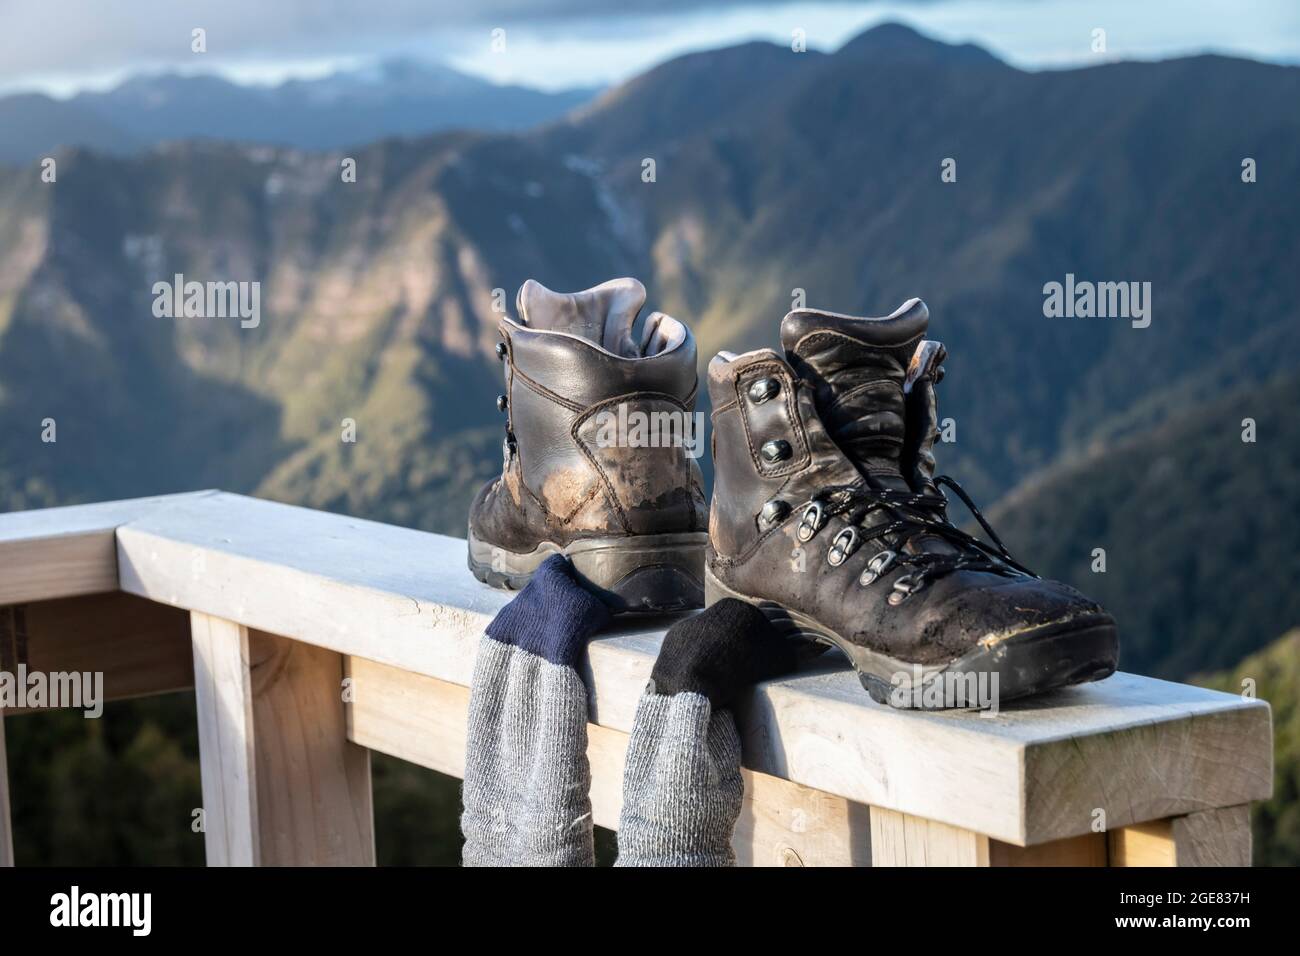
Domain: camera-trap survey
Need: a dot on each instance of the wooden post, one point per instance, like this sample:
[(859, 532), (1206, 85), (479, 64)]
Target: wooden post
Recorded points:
[(900, 839), (313, 785), (6, 822), (282, 785), (223, 694), (1218, 837), (1088, 849)]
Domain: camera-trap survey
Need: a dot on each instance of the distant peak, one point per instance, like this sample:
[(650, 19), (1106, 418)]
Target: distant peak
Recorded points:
[(406, 66), (891, 32), (894, 42)]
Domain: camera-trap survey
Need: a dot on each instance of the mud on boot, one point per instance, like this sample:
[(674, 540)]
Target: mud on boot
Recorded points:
[(828, 516), (600, 448)]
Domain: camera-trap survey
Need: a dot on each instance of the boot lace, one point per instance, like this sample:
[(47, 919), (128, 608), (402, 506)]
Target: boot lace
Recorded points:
[(910, 514)]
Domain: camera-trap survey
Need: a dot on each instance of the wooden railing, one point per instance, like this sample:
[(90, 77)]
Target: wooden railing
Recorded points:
[(311, 639)]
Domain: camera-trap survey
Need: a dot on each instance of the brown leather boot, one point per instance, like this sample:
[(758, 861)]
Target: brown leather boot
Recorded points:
[(600, 450), (828, 516)]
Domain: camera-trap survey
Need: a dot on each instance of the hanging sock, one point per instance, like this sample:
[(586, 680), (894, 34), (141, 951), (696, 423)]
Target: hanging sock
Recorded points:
[(682, 788), (527, 780)]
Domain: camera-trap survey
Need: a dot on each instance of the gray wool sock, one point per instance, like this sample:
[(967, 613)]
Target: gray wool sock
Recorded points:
[(527, 779), (682, 788)]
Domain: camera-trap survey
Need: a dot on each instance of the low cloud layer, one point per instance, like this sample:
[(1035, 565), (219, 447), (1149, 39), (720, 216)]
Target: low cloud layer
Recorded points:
[(63, 45), (55, 36)]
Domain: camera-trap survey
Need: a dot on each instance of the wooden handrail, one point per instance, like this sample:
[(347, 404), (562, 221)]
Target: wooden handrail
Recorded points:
[(283, 602)]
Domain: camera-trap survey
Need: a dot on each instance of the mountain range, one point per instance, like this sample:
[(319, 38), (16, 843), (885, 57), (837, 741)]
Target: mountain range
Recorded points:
[(1173, 448), (1195, 521), (392, 98), (775, 175)]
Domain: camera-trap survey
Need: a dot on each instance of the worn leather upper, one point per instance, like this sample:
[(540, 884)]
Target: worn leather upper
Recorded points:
[(577, 366), (742, 481), (852, 415)]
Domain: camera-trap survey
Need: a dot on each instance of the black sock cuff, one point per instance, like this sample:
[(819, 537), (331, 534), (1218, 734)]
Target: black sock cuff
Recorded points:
[(720, 652)]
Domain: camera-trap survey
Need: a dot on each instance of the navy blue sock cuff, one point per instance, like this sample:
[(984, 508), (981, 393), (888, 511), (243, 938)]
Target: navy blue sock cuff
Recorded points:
[(553, 616)]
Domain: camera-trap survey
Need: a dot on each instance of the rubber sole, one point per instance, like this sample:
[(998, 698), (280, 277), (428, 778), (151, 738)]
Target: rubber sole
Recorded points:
[(656, 573), (1033, 662)]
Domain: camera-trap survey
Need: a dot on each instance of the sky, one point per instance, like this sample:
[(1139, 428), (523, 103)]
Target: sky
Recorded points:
[(62, 46)]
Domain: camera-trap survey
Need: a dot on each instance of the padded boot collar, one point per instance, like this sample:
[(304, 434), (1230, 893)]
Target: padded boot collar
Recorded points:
[(583, 373), (604, 315), (905, 324)]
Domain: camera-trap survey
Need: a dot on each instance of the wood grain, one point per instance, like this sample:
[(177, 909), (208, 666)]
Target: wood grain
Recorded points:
[(1147, 770), (223, 693), (900, 839), (139, 647), (1036, 773), (60, 552), (1033, 774), (282, 786), (1090, 849), (1219, 837), (313, 785)]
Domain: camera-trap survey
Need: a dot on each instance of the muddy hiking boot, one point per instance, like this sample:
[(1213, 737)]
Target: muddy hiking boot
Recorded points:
[(827, 514), (600, 450)]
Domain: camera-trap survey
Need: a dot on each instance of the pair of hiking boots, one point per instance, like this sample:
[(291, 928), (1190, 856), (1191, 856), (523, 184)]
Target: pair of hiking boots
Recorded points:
[(826, 513)]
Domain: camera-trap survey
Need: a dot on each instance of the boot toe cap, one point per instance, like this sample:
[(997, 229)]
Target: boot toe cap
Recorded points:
[(1013, 609)]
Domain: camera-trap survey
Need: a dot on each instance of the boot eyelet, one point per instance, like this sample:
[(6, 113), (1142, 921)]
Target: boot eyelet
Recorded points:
[(877, 566), (904, 588), (502, 403), (845, 543), (501, 351), (763, 389), (774, 511), (778, 449), (814, 516)]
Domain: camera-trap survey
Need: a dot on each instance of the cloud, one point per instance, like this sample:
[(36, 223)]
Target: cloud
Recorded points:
[(66, 36), (63, 45)]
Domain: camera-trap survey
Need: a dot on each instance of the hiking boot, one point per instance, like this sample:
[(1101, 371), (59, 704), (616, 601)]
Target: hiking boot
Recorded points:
[(827, 514), (600, 449)]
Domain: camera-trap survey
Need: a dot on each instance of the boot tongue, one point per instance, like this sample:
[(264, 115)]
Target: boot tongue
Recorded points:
[(604, 314), (856, 367)]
